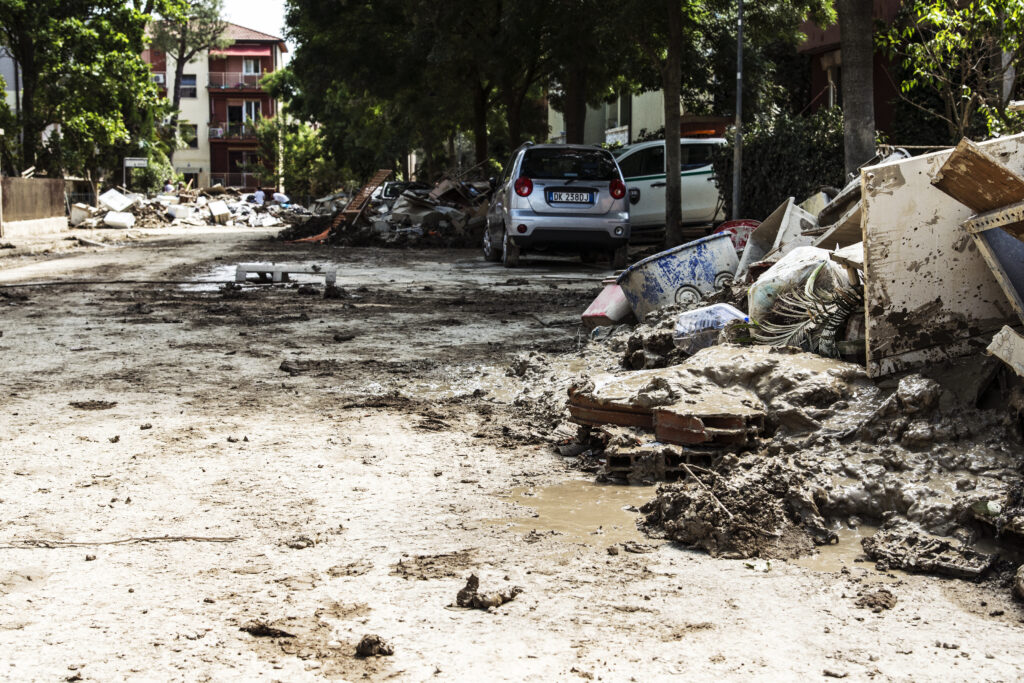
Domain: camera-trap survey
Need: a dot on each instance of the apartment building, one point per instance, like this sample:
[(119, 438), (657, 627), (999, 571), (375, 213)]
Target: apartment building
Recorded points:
[(221, 97)]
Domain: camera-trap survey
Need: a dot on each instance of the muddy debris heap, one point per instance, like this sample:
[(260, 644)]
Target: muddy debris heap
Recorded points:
[(737, 370)]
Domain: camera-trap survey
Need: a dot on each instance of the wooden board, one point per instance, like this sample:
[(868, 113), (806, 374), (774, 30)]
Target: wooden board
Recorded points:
[(354, 209), (928, 290), (977, 179)]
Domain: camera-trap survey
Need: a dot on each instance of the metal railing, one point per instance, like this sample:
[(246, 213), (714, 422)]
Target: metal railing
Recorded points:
[(234, 79), (233, 130)]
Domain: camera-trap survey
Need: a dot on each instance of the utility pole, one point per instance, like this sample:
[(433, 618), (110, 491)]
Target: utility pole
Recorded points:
[(737, 159)]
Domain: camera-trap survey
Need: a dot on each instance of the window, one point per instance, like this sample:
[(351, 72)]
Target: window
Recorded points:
[(653, 161), (189, 134), (631, 165), (251, 110), (187, 87), (250, 66), (569, 164), (695, 156)]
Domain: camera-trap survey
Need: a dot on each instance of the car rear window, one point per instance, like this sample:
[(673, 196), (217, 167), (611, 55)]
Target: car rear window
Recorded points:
[(569, 164)]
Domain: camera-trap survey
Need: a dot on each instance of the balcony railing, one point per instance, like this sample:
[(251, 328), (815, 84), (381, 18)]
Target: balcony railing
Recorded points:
[(234, 79), (248, 180), (231, 130)]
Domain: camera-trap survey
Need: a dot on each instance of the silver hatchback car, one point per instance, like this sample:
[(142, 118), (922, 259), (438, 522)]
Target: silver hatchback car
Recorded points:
[(559, 197)]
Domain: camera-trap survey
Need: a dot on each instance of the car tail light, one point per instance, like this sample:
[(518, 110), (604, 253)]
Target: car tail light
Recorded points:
[(617, 188), (524, 186)]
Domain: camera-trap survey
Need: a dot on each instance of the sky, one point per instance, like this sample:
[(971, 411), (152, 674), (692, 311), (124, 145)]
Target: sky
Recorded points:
[(263, 15)]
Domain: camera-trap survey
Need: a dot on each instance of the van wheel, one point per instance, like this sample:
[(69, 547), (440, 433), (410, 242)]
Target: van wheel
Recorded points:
[(491, 253), (620, 257), (509, 252)]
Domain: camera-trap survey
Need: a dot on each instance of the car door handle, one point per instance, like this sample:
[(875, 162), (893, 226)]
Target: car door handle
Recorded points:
[(658, 184)]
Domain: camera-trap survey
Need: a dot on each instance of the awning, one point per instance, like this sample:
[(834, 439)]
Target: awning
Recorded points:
[(243, 51)]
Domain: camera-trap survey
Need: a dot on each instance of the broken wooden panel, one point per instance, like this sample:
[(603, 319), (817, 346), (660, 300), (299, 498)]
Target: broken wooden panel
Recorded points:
[(681, 424), (1008, 346), (928, 289), (682, 407), (978, 179)]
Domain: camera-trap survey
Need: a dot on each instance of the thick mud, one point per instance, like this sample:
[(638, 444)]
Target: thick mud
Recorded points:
[(326, 472)]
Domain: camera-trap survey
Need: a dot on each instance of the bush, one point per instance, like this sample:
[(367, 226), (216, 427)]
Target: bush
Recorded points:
[(783, 156)]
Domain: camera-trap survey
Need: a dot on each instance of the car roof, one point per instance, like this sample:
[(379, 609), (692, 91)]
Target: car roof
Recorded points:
[(548, 145), (654, 143)]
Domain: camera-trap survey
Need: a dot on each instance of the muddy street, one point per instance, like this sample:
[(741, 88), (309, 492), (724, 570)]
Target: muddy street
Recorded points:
[(206, 481)]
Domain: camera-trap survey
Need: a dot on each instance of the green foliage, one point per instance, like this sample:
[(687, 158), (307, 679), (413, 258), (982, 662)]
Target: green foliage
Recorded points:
[(962, 54), (783, 156), (296, 150), (84, 85)]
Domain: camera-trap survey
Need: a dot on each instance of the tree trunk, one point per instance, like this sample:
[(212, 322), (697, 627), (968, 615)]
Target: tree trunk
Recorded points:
[(179, 69), (672, 76), (575, 114), (480, 107), (514, 113), (30, 128), (858, 52)]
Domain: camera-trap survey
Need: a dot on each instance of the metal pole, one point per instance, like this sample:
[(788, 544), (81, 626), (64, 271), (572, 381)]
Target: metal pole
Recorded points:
[(737, 159)]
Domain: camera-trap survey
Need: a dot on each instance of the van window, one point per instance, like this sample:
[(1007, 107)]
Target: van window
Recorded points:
[(653, 161), (630, 166), (695, 156), (569, 164)]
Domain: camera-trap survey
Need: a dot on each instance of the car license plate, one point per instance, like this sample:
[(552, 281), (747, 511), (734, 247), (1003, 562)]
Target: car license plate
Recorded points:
[(571, 197)]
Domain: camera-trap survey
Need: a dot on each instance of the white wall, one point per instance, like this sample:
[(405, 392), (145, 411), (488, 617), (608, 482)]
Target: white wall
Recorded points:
[(197, 111)]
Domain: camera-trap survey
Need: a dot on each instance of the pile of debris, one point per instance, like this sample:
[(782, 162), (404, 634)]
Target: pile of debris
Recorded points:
[(452, 213), (213, 205), (821, 370)]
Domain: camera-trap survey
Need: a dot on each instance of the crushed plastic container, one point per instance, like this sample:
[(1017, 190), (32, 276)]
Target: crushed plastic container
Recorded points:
[(698, 329)]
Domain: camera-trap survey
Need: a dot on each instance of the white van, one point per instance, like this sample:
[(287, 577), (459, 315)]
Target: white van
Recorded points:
[(643, 168)]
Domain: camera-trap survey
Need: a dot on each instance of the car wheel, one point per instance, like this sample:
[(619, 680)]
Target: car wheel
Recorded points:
[(490, 252), (620, 257), (509, 252)]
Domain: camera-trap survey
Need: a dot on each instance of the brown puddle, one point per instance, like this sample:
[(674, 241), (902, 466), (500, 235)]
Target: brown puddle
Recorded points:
[(584, 511)]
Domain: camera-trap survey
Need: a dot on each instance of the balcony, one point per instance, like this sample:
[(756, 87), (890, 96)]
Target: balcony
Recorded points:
[(233, 130), (234, 80)]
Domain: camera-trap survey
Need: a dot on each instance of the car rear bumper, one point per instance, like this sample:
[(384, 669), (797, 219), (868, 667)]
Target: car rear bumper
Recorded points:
[(569, 232)]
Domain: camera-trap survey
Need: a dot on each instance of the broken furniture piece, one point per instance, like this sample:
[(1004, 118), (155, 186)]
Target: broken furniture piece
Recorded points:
[(354, 209), (929, 294), (279, 273), (778, 234)]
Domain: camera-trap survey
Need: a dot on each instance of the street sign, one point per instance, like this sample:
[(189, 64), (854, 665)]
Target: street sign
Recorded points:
[(136, 162)]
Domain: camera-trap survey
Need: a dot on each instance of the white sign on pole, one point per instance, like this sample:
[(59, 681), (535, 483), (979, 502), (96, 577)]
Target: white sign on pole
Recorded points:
[(136, 162)]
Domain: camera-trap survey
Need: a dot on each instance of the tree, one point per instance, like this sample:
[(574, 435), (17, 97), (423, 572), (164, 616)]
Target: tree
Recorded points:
[(83, 83), (967, 54), (294, 150), (858, 50), (185, 35)]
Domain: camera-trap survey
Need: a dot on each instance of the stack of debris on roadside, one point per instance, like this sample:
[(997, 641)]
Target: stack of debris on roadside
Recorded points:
[(826, 370), (452, 213), (213, 205)]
